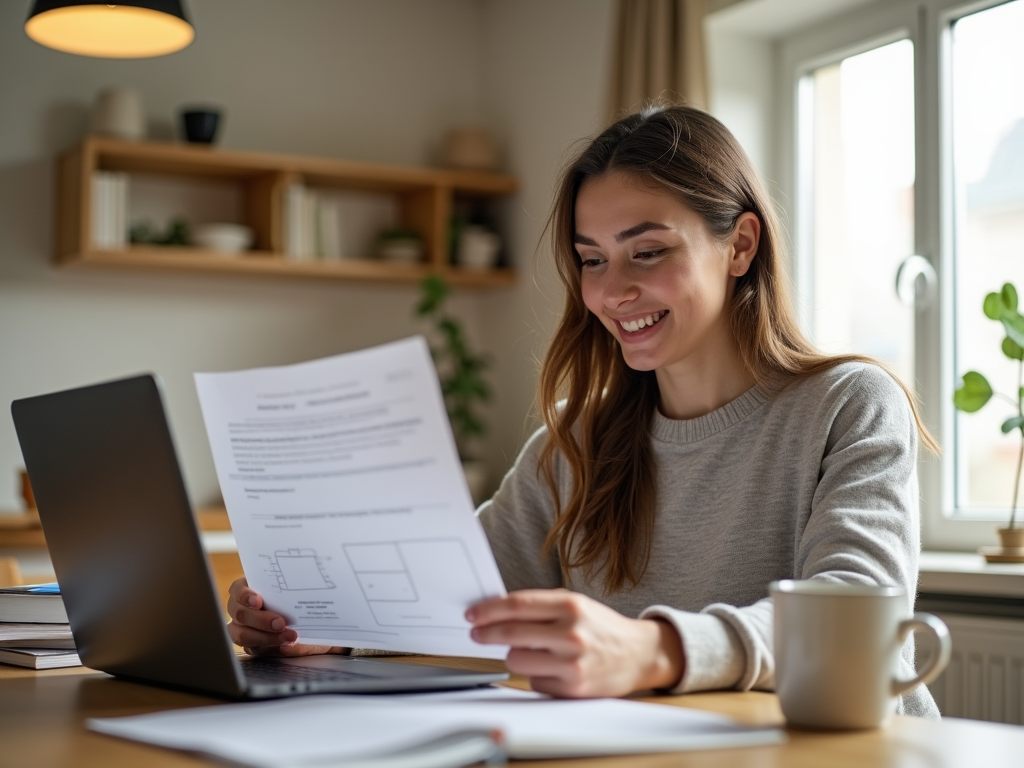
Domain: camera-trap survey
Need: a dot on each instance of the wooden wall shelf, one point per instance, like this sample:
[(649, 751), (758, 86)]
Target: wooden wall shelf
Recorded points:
[(425, 199)]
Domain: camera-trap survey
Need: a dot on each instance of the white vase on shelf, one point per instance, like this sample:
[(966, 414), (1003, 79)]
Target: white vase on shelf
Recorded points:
[(478, 248), (118, 112)]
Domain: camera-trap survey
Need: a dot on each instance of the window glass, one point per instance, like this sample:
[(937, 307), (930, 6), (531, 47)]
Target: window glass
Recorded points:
[(988, 167), (862, 176)]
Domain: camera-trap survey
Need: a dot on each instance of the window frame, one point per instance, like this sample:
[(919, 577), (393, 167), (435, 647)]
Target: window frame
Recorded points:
[(928, 25)]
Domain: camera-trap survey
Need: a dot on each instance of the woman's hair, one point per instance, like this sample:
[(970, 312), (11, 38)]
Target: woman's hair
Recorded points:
[(602, 427)]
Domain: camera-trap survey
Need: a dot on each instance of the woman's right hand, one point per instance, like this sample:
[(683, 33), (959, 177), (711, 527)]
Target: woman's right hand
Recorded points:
[(261, 632)]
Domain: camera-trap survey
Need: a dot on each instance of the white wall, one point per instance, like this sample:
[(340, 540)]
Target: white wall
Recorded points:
[(377, 80), (546, 66), (371, 80), (741, 85)]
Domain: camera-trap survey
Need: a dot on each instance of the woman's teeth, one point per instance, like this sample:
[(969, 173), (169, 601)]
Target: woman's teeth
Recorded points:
[(635, 325)]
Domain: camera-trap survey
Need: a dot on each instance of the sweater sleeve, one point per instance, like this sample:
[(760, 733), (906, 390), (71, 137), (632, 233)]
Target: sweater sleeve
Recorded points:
[(863, 527), (517, 520)]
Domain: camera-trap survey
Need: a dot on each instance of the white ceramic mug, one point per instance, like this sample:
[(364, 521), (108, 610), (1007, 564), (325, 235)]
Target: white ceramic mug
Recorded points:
[(837, 652)]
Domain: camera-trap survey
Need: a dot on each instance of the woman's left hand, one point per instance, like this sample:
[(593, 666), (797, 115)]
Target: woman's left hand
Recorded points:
[(572, 646)]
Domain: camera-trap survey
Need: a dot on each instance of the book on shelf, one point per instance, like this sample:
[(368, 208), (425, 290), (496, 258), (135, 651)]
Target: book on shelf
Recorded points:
[(328, 224), (32, 604), (313, 225), (109, 210), (297, 239), (39, 658)]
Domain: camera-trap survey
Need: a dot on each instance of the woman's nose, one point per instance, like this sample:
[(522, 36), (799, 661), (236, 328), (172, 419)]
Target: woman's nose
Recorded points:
[(619, 286)]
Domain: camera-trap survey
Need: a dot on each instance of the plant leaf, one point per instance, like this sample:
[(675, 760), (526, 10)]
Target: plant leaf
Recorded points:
[(1012, 349), (1009, 296), (458, 369), (1012, 423), (993, 306), (435, 290), (974, 393), (1013, 324)]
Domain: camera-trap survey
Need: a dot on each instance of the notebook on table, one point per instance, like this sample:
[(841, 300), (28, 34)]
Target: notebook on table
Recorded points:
[(32, 603), (134, 579)]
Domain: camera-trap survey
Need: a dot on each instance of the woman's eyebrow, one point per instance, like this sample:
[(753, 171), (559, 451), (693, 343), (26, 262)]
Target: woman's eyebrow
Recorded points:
[(639, 229), (624, 235)]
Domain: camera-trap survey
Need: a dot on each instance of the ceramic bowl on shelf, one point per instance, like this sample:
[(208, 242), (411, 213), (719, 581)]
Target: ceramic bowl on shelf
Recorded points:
[(223, 238)]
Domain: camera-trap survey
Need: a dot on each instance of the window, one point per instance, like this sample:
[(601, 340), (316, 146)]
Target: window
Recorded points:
[(862, 215), (987, 74), (905, 121)]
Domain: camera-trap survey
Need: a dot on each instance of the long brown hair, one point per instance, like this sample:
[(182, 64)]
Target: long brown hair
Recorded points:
[(602, 427)]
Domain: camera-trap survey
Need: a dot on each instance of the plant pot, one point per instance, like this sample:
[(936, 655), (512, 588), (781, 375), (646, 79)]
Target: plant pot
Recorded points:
[(1012, 539), (407, 250), (1012, 549), (200, 125), (478, 248)]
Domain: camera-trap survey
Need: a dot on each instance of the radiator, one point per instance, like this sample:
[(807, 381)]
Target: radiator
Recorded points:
[(985, 676)]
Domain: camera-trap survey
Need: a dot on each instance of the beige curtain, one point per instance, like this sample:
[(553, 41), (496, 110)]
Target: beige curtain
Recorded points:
[(659, 53)]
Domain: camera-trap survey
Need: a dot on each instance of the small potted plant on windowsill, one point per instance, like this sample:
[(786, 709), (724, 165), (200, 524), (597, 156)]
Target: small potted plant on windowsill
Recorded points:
[(976, 392), (462, 383)]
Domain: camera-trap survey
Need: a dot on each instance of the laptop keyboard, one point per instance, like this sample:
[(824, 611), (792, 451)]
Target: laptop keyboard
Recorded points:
[(275, 672)]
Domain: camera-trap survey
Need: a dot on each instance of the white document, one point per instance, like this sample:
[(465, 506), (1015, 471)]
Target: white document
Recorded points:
[(340, 730), (348, 502)]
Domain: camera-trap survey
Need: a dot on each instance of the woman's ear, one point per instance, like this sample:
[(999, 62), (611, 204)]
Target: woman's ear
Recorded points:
[(746, 236)]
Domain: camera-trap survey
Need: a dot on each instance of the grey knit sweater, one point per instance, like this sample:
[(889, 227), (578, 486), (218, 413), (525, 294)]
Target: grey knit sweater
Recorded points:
[(815, 481)]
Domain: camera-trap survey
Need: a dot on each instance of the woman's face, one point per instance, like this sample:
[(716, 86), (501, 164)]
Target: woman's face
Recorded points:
[(653, 273)]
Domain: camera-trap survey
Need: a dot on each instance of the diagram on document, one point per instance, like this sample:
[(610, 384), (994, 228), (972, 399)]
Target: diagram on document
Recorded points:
[(298, 569), (397, 579)]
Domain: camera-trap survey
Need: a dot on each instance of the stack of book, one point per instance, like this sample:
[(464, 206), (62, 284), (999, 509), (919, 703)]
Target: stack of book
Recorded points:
[(34, 629), (312, 225), (109, 210)]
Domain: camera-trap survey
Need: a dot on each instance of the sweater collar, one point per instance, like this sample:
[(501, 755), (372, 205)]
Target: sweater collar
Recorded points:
[(702, 427)]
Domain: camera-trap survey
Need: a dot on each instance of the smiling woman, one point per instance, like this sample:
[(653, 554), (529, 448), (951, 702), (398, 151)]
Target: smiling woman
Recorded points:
[(696, 447)]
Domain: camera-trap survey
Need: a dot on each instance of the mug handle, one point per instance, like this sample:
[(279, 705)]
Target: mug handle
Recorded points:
[(940, 656)]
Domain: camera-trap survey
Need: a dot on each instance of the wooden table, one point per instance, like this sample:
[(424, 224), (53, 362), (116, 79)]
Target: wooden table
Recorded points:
[(42, 714)]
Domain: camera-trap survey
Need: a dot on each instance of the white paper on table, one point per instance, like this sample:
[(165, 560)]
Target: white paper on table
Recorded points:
[(347, 499), (317, 729)]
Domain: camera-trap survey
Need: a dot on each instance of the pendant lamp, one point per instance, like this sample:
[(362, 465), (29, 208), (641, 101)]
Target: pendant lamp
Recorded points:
[(126, 30)]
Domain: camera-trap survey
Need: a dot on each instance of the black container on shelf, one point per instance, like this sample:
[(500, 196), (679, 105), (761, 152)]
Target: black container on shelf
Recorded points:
[(200, 125)]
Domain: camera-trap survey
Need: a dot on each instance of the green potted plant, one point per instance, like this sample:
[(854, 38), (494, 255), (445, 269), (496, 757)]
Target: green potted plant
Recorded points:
[(400, 244), (461, 374), (976, 391)]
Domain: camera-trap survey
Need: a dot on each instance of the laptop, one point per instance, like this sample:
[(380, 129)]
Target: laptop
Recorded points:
[(134, 578)]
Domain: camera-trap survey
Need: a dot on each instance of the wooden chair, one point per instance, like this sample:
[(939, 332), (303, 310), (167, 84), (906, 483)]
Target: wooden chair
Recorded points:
[(10, 573)]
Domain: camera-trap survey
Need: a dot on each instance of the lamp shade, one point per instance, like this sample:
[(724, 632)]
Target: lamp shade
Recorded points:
[(126, 30)]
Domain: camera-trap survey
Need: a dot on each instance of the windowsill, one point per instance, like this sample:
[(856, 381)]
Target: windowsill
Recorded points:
[(962, 573)]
